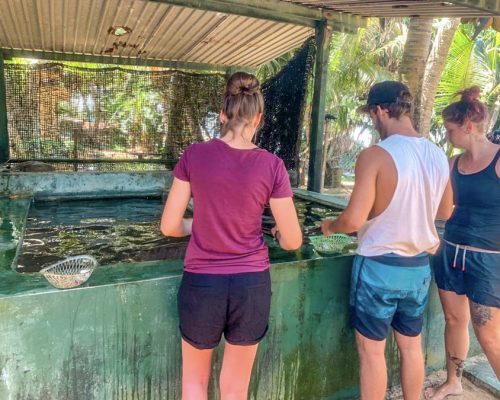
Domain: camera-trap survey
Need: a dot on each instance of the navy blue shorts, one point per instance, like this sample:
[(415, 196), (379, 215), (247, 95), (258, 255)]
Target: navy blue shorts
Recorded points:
[(387, 291), (471, 273), (236, 305)]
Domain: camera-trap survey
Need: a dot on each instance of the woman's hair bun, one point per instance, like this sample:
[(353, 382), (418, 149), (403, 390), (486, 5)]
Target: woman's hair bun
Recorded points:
[(470, 94), (243, 100), (243, 83), (249, 90), (469, 107)]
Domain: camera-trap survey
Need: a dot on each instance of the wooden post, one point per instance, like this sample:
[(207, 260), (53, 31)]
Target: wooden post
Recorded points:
[(316, 141), (4, 134)]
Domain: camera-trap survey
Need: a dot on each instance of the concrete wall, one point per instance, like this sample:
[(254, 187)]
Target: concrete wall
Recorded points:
[(60, 185), (120, 340)]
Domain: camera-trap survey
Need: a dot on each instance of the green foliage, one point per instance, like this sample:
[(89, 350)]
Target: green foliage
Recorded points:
[(356, 63), (470, 62), (137, 110), (374, 54), (271, 68)]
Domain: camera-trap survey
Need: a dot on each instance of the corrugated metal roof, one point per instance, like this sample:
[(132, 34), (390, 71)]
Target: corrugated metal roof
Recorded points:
[(166, 30), (158, 31), (406, 8)]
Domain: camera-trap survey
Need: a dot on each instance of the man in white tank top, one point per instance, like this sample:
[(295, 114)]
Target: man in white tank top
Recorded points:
[(399, 187)]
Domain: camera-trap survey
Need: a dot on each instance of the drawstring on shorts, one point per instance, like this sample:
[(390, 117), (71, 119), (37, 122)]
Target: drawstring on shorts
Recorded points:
[(455, 258), (457, 248), (463, 259), (466, 248)]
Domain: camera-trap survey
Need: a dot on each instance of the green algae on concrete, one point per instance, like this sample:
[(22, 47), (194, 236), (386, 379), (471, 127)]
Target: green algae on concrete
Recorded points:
[(309, 348), (121, 341), (13, 214)]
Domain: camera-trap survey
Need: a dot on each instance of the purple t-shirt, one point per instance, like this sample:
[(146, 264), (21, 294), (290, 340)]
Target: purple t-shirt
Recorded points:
[(230, 188)]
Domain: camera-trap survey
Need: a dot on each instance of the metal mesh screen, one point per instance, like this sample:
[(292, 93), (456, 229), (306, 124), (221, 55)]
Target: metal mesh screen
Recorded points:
[(69, 114), (112, 119)]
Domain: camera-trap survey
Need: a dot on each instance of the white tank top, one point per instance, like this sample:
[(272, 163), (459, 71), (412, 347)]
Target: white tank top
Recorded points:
[(406, 227)]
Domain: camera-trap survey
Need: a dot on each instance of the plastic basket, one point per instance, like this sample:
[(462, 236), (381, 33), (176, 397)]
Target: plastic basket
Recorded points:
[(333, 244), (71, 272)]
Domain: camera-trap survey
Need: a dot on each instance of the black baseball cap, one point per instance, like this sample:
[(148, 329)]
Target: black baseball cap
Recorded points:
[(386, 92)]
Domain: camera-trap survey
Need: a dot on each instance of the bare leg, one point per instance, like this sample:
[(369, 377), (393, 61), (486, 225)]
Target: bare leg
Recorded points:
[(486, 322), (456, 338), (412, 365), (236, 371), (195, 372), (373, 371)]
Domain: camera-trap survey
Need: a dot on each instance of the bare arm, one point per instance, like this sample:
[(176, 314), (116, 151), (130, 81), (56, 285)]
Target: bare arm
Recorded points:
[(172, 221), (362, 198), (287, 223), (446, 206)]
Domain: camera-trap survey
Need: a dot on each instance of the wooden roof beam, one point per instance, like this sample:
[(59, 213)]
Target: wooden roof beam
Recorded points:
[(276, 10), (125, 61)]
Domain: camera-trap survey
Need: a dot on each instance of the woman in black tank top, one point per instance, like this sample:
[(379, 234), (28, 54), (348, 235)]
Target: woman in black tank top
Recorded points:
[(467, 264)]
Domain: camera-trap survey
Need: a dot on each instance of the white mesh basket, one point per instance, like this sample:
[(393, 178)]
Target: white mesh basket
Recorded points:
[(70, 272), (333, 244)]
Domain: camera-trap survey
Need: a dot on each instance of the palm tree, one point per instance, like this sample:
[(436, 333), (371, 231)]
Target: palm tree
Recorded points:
[(356, 62), (271, 68), (423, 62), (470, 62), (416, 54), (444, 32)]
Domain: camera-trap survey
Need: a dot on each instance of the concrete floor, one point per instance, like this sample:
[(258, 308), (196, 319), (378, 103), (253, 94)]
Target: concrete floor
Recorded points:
[(471, 392)]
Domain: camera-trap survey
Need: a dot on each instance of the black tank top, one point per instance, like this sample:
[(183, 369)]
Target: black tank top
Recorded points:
[(476, 217)]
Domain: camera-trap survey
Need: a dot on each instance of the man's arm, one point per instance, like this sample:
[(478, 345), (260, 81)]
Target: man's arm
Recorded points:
[(362, 198), (446, 206)]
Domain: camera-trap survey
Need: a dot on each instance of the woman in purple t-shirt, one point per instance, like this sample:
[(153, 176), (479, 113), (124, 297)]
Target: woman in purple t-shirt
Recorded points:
[(226, 287)]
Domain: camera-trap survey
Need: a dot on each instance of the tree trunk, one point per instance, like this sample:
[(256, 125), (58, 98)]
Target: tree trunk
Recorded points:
[(433, 71), (415, 56)]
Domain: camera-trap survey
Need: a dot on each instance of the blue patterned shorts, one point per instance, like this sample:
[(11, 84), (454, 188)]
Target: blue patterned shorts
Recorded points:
[(389, 290)]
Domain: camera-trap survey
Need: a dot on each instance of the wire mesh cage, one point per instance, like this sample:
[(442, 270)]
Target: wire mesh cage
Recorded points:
[(124, 119), (334, 244), (70, 272)]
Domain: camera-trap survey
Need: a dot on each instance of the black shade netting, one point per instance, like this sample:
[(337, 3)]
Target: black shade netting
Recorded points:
[(69, 114), (285, 100)]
